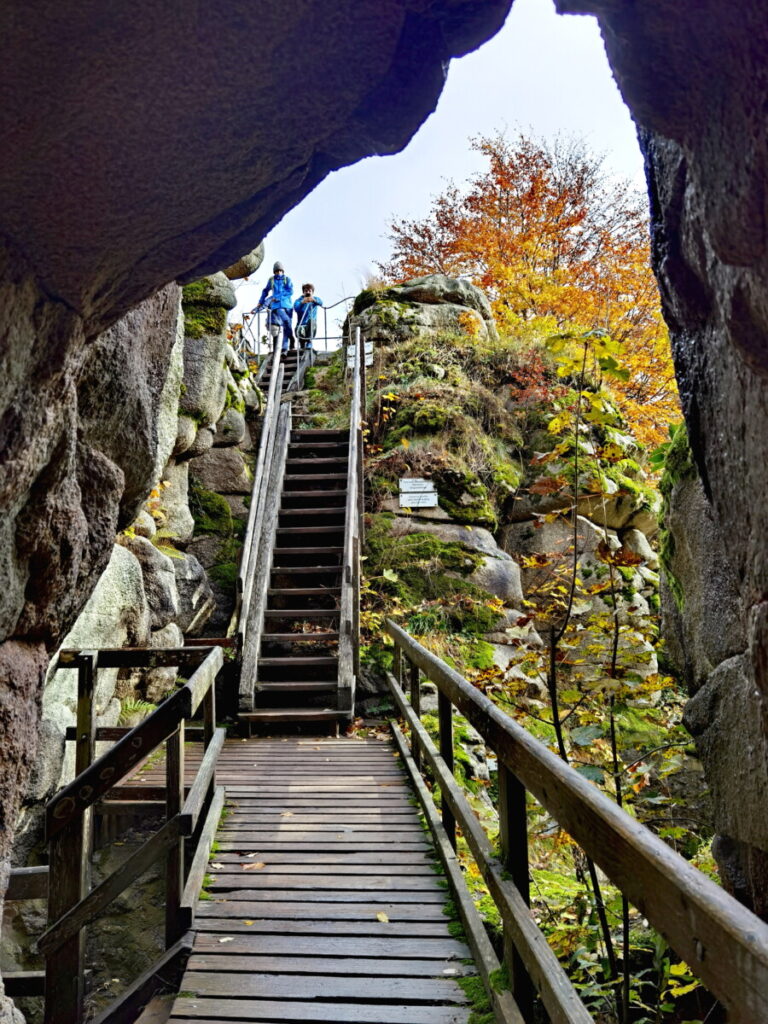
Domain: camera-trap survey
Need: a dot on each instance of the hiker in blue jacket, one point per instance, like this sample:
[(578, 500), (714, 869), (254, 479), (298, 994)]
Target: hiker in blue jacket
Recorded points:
[(306, 314), (279, 304)]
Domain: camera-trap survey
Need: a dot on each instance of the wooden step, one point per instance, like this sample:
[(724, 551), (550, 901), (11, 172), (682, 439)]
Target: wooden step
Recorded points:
[(279, 638), (302, 531), (291, 715), (318, 434), (318, 461), (305, 592), (294, 660), (319, 493), (313, 446), (331, 550), (304, 570), (331, 510), (317, 477), (297, 686), (300, 613)]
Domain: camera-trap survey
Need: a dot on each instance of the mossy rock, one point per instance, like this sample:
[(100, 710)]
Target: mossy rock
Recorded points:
[(679, 466), (210, 512), (201, 320)]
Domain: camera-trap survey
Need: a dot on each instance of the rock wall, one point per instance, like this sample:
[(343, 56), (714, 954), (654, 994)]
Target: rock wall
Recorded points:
[(695, 83)]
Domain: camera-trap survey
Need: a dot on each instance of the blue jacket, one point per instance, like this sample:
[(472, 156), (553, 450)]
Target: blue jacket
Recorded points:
[(282, 293), (306, 312)]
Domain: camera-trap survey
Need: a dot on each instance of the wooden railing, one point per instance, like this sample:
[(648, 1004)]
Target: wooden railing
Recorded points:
[(349, 614), (263, 545), (723, 943), (191, 814), (252, 540)]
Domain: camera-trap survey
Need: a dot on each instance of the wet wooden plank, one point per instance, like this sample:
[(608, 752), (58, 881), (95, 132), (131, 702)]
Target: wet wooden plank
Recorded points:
[(335, 945), (293, 910), (318, 986), (264, 1011), (348, 966), (368, 928)]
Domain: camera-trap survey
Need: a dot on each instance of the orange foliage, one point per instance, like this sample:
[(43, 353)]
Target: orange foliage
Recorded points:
[(558, 244)]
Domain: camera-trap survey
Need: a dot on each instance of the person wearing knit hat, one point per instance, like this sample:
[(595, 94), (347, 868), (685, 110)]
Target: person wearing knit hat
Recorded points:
[(279, 288)]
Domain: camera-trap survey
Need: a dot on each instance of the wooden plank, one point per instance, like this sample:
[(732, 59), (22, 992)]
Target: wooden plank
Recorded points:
[(139, 657), (332, 945), (486, 960), (318, 986), (198, 793), (197, 869), (294, 910), (19, 984), (27, 884), (723, 943), (386, 857), (347, 966), (174, 853), (268, 1011), (370, 928), (203, 678), (354, 883), (68, 855), (333, 896), (326, 838)]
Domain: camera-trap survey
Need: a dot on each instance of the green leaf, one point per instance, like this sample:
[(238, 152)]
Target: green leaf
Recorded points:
[(585, 735), (590, 771), (391, 575)]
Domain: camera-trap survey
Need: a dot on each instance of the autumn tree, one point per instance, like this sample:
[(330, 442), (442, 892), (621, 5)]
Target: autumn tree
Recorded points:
[(557, 244)]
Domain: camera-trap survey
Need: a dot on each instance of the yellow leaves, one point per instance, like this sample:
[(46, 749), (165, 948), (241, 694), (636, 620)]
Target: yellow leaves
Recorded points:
[(256, 866), (381, 916)]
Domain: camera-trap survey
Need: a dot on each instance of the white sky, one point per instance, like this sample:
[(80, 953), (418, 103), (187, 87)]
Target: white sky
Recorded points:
[(542, 71)]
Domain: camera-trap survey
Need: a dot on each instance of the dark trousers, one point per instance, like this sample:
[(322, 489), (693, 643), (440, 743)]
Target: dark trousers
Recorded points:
[(306, 332)]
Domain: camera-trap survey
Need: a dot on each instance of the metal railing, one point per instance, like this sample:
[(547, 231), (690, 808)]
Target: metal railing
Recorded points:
[(722, 942), (253, 338)]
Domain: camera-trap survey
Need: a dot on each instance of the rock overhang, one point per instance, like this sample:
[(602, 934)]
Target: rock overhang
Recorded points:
[(158, 143)]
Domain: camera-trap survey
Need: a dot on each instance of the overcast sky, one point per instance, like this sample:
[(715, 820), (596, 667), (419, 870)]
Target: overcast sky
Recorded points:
[(542, 71)]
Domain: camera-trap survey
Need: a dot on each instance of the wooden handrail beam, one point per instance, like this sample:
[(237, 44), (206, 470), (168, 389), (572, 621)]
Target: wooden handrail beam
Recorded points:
[(723, 943), (107, 770), (195, 801), (560, 999)]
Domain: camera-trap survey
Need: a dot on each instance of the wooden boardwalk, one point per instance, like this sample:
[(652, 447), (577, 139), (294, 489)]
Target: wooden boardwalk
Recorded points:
[(324, 903)]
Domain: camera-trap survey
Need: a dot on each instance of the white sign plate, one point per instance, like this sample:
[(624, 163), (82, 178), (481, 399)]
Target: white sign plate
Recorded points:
[(417, 493), (368, 350)]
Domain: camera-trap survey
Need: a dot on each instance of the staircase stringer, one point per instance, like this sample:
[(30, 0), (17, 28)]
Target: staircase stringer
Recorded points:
[(260, 567)]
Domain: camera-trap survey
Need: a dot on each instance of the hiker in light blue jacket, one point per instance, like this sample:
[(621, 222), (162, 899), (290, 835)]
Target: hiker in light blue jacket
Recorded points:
[(306, 314), (279, 304)]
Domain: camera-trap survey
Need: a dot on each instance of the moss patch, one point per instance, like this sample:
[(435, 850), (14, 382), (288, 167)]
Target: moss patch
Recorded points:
[(210, 511)]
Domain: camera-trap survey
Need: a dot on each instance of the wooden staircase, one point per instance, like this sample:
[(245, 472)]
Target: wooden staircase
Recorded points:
[(298, 663), (290, 366)]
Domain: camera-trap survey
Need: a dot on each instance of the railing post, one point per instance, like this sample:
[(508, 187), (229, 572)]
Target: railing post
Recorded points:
[(445, 719), (415, 687), (397, 664), (174, 801), (69, 868), (513, 838)]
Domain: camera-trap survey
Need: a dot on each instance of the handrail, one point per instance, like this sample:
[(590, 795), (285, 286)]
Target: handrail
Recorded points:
[(252, 625), (257, 337), (722, 942), (69, 819), (350, 580), (252, 538)]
